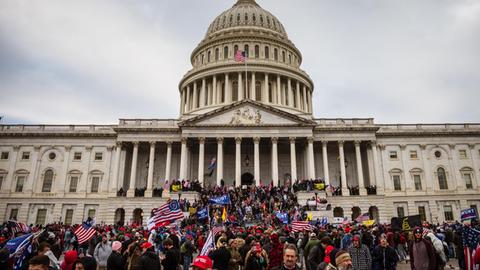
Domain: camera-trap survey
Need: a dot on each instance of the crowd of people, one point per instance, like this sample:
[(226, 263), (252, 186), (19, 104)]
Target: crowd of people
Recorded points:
[(251, 237)]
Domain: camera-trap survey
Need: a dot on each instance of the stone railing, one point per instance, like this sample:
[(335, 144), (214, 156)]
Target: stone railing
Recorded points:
[(151, 123), (61, 129), (407, 127), (345, 121)]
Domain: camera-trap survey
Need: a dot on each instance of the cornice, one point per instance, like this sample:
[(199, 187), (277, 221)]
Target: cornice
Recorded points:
[(426, 133)]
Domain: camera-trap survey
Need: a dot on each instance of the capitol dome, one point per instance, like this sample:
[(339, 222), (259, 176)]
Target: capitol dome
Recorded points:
[(246, 14), (271, 75)]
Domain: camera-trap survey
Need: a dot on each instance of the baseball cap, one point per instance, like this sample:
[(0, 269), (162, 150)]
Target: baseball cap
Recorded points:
[(146, 245), (203, 262)]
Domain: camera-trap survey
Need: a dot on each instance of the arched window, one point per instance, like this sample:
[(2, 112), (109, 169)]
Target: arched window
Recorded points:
[(235, 49), (257, 51), (216, 54), (247, 52), (338, 212), (284, 57), (208, 57), (202, 58), (275, 54), (290, 59), (442, 178), (225, 52), (47, 181), (267, 52)]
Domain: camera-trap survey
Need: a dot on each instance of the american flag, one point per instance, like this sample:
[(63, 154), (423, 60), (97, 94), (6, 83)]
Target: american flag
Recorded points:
[(240, 56), (16, 227), (210, 242), (470, 238), (362, 218), (20, 248), (165, 214), (298, 226), (85, 231)]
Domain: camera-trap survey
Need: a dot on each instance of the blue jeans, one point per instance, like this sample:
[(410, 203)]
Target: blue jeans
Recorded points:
[(187, 260)]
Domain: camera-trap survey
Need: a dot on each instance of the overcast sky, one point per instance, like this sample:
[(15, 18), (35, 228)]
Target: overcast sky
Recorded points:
[(95, 61)]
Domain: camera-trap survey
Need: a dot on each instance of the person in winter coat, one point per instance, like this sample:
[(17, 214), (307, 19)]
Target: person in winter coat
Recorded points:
[(310, 244), (101, 253), (422, 253), (69, 258), (361, 259), (171, 259), (236, 258), (290, 257), (187, 249), (44, 249), (439, 250), (384, 256), (149, 260), (275, 254), (116, 261), (326, 243), (220, 256), (257, 258)]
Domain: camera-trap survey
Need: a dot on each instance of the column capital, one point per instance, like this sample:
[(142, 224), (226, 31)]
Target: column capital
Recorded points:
[(357, 143), (201, 140), (403, 146), (341, 143), (382, 146), (451, 146), (68, 148), (169, 143), (256, 139), (324, 142), (219, 140), (152, 143), (292, 139), (37, 147), (184, 140), (423, 146), (274, 139), (310, 139), (110, 147), (373, 143), (119, 144), (16, 147), (471, 145), (238, 140), (135, 143), (88, 147)]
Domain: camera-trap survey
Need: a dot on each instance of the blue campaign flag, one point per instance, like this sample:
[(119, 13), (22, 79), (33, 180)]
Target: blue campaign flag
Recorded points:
[(470, 213), (20, 248), (225, 199), (202, 213), (283, 217)]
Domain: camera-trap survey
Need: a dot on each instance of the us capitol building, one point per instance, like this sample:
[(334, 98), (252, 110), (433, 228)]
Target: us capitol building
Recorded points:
[(259, 126)]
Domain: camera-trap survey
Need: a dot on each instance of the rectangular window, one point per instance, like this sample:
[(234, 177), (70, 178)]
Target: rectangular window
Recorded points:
[(95, 183), (413, 154), (4, 156), (400, 211), (20, 182), (25, 155), (418, 181), (77, 156), (462, 153), (468, 180), (422, 213), (13, 214), (41, 216), (2, 177), (393, 155), (91, 213), (98, 156), (73, 184), (447, 210), (396, 183), (68, 216)]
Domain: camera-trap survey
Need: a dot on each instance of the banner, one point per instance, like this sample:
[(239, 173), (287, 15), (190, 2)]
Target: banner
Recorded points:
[(283, 217), (368, 223), (225, 199), (177, 187), (202, 213), (406, 223), (470, 213), (319, 186)]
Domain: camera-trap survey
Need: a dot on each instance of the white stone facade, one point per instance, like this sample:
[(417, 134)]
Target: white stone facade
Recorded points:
[(265, 131)]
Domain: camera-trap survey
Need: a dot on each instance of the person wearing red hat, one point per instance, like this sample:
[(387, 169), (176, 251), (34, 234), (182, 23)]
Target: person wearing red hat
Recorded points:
[(202, 263), (149, 260), (360, 254)]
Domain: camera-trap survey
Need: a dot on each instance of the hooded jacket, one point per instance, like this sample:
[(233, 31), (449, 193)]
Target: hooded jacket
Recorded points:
[(69, 259), (101, 253), (149, 261)]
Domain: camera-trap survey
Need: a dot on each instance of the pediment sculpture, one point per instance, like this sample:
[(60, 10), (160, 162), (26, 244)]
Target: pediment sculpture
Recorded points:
[(245, 116)]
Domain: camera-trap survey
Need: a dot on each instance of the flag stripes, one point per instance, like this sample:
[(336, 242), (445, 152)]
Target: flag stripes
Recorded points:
[(298, 226), (165, 214), (84, 232)]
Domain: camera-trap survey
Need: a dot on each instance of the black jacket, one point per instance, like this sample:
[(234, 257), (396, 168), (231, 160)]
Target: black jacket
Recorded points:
[(172, 259), (220, 258), (149, 261), (115, 261), (384, 258), (283, 268)]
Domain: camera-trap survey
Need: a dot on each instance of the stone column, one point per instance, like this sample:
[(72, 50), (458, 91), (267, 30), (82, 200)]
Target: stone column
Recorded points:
[(214, 90), (256, 153), (219, 160), (188, 105), (266, 89), (293, 160), (116, 167), (61, 185), (168, 161), (228, 93), (456, 176), (133, 171), (240, 86), (183, 159), (361, 184), (311, 159), (202, 93), (238, 164), (298, 96), (10, 183), (30, 185), (274, 161), (195, 96), (290, 93), (310, 110), (201, 160), (408, 179), (253, 85), (151, 166), (182, 101), (376, 180), (305, 105), (343, 173), (325, 162), (279, 88), (476, 170)]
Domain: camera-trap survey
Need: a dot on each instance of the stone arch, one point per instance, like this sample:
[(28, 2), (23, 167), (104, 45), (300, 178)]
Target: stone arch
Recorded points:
[(137, 216), (119, 217), (247, 179), (374, 213), (338, 212), (356, 212)]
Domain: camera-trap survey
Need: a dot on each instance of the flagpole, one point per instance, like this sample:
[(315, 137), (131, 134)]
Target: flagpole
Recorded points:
[(246, 79)]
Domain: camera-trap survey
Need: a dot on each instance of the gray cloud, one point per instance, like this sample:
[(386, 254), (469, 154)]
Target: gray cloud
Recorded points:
[(97, 61)]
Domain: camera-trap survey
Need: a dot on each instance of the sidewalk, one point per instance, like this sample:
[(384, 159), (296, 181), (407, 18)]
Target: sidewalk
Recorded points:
[(452, 264)]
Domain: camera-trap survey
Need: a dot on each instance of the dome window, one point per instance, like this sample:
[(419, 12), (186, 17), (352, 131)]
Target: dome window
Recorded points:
[(254, 18), (231, 19), (235, 49), (238, 19), (216, 54), (283, 57), (257, 51), (261, 20), (268, 21), (275, 54), (225, 52), (267, 52), (246, 18), (208, 57), (246, 50)]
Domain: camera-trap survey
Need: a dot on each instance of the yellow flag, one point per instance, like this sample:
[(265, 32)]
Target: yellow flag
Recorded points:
[(309, 217), (176, 187), (319, 186), (368, 223), (224, 214)]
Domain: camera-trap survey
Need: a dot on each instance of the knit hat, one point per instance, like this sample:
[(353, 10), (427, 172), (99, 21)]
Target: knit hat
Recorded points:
[(356, 238), (342, 256), (116, 246), (146, 245)]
